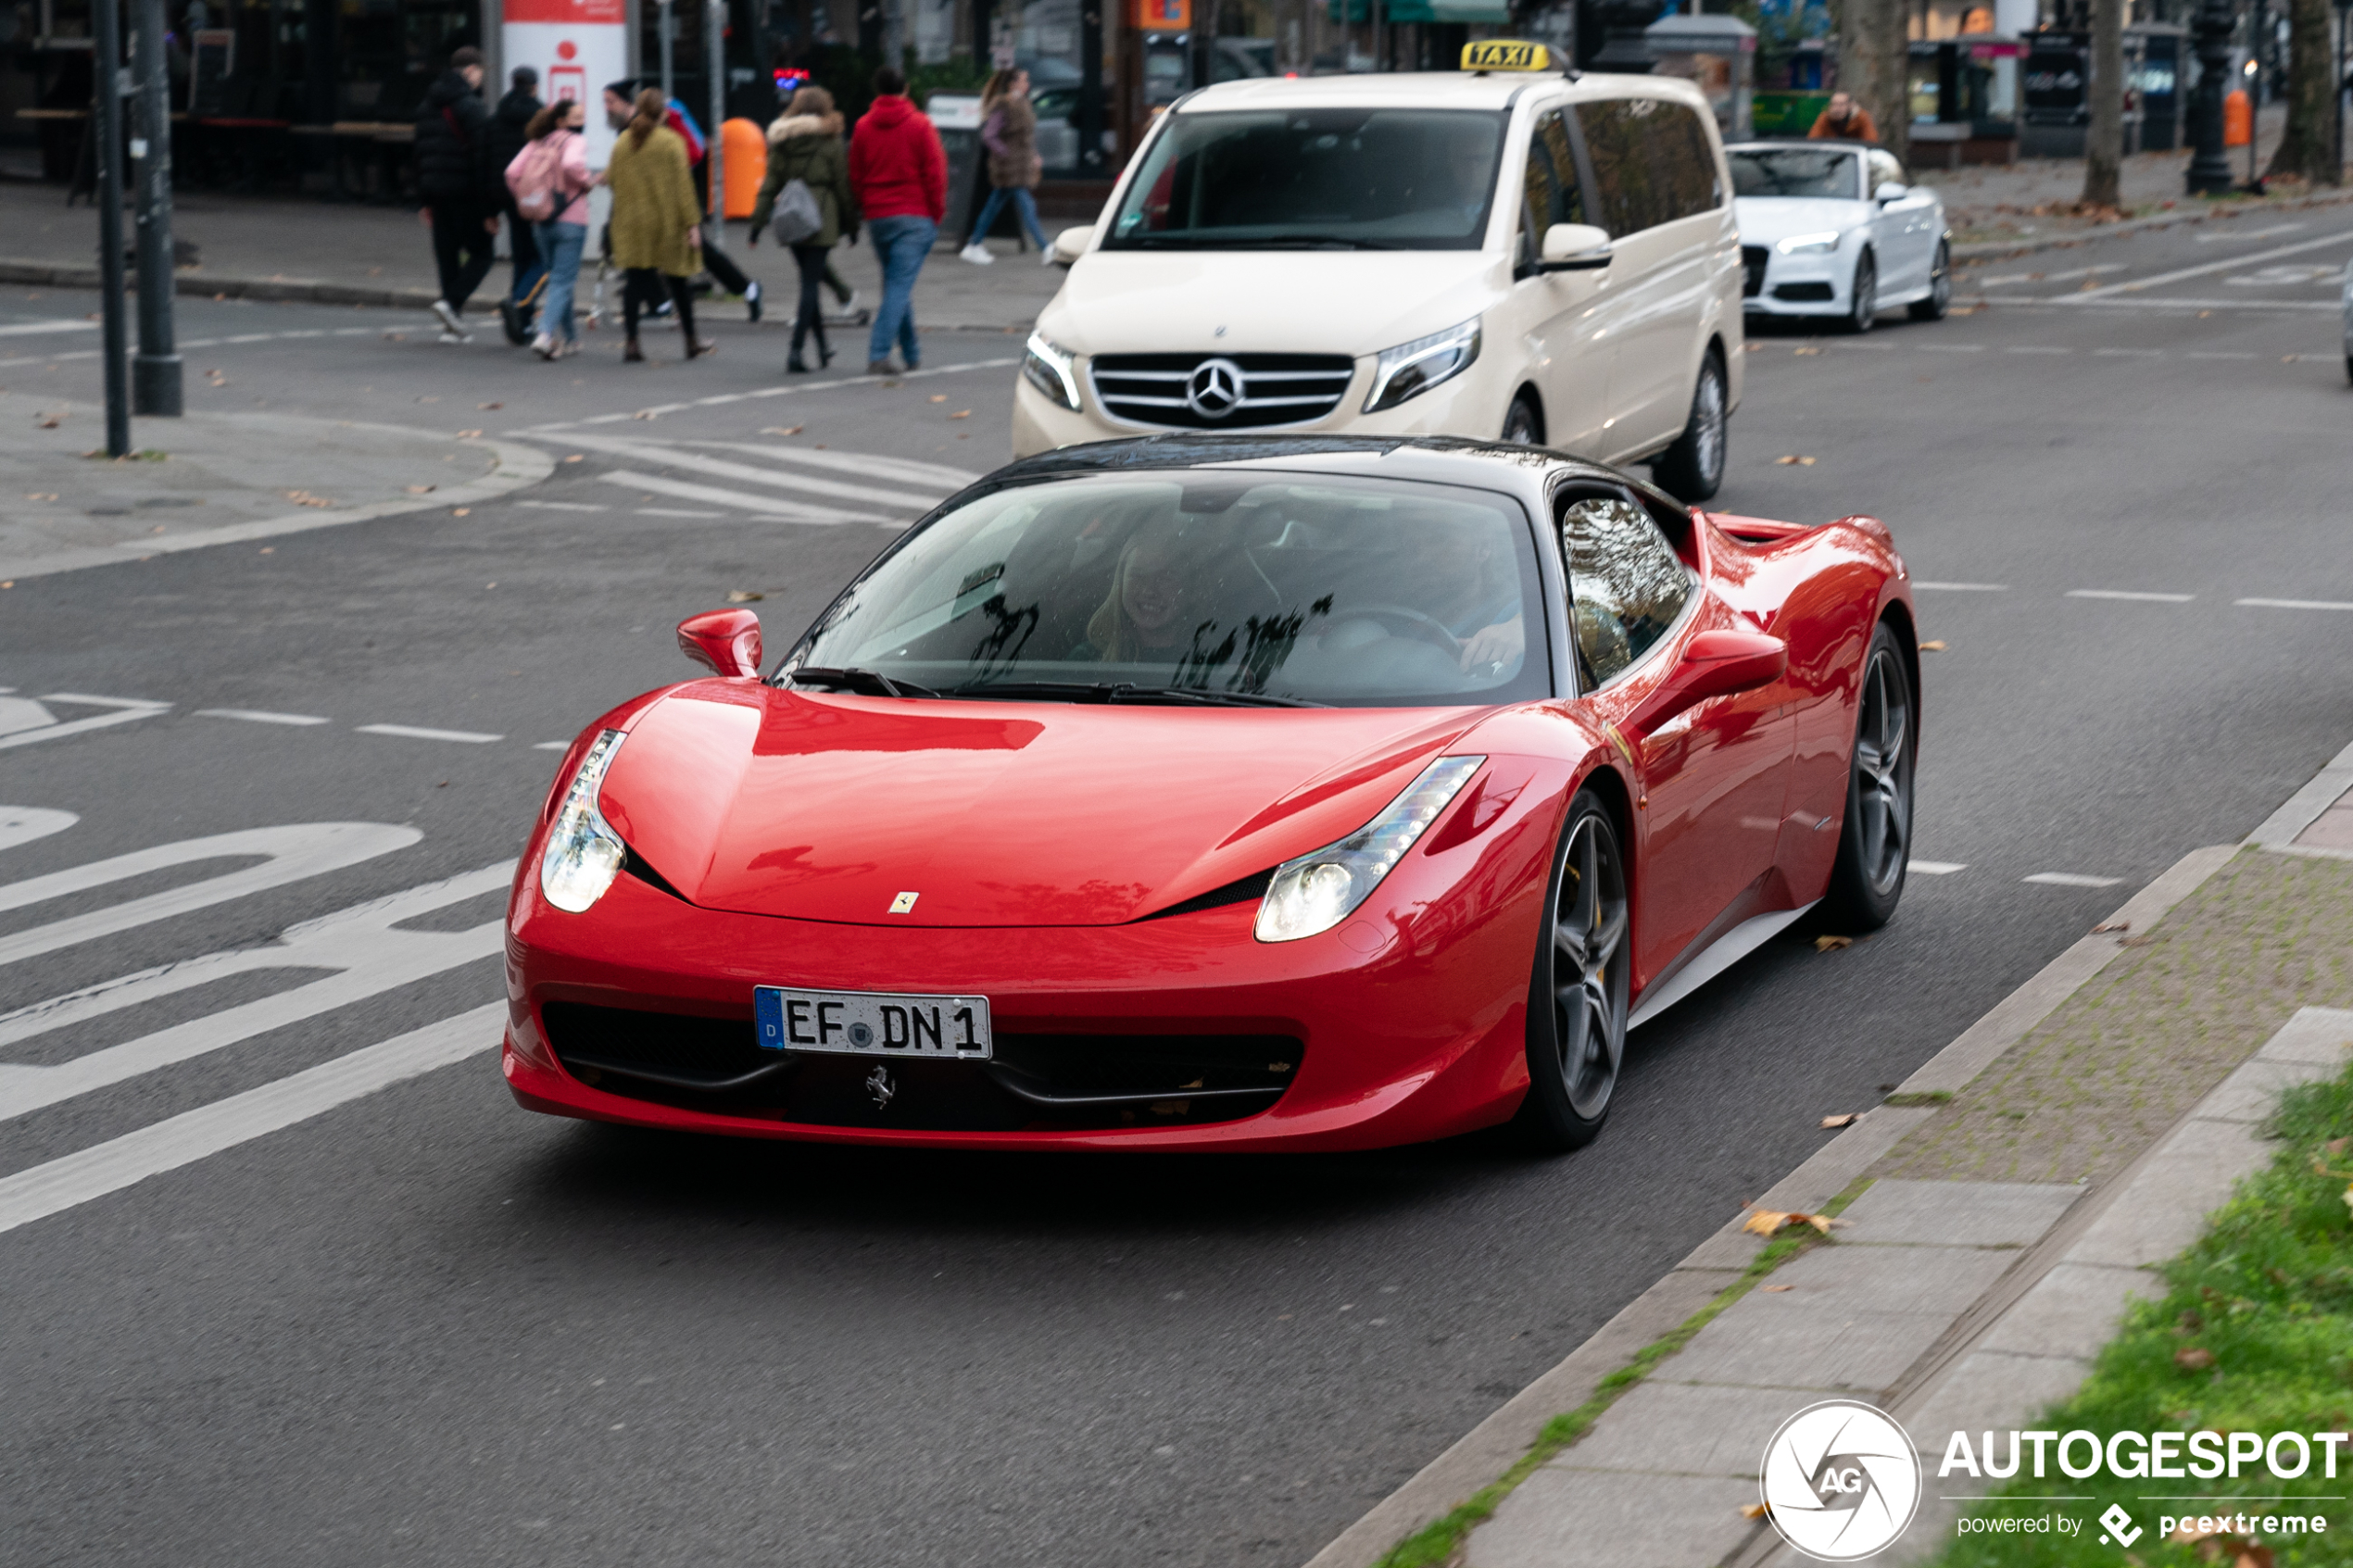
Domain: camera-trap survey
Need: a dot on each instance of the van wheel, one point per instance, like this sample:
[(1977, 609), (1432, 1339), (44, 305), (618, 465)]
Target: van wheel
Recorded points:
[(1940, 287), (1521, 425), (1692, 470)]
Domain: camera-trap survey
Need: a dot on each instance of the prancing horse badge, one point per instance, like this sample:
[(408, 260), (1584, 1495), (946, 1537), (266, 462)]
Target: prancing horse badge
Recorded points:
[(904, 903)]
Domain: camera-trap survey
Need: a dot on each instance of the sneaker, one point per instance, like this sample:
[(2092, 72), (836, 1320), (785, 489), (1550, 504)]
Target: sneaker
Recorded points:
[(850, 304), (457, 337), (878, 367), (978, 254), (450, 320), (544, 346), (751, 297), (1046, 257)]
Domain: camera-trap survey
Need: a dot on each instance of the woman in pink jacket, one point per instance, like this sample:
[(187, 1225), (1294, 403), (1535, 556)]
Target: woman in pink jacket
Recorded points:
[(563, 234)]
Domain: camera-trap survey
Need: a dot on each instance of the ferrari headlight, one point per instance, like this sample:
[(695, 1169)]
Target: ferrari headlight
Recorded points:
[(1316, 892), (1411, 369), (584, 853), (1052, 369), (1809, 244)]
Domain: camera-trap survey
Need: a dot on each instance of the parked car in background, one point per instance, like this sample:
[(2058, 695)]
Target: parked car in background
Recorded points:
[(1837, 231)]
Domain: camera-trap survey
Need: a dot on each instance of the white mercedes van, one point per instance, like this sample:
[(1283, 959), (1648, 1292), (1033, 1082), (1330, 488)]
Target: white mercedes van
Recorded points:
[(1509, 252)]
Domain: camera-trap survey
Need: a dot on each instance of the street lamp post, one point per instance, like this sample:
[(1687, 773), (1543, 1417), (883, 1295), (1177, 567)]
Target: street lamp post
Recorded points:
[(2210, 32), (154, 374), (106, 27)]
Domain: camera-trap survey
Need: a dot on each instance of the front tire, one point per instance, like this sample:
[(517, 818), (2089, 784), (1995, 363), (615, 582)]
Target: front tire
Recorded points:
[(1692, 470), (1862, 303), (1521, 425), (1940, 287), (1875, 844), (1576, 998)]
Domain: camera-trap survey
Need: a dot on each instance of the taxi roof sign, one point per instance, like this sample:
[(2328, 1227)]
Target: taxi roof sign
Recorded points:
[(1506, 54)]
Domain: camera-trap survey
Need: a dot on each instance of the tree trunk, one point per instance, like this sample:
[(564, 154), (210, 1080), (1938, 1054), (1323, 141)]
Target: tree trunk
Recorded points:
[(1873, 54), (2103, 143), (2309, 148)]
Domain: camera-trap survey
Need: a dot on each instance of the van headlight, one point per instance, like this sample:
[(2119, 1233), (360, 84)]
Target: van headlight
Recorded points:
[(1052, 369), (1316, 892), (583, 854), (1411, 369), (1809, 244)]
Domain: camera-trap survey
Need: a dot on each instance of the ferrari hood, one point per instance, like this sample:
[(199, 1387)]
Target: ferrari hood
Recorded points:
[(821, 807), (1266, 301)]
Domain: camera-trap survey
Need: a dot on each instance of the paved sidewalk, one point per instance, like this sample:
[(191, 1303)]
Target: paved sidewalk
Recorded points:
[(2001, 1207), (283, 248), (218, 479)]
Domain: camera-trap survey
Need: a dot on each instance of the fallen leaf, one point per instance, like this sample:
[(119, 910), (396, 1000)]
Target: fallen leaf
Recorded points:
[(745, 596), (421, 489), (965, 414), (490, 405), (49, 424), (783, 430), (468, 434), (2290, 359), (40, 494), (1831, 944), (940, 398), (2338, 1146), (1810, 348), (305, 498), (1776, 1290), (269, 549), (2204, 314), (1845, 1119), (1765, 1222), (464, 511), (10, 584), (1936, 645), (577, 458), (645, 414), (2112, 925), (2194, 1358), (1755, 1509), (1753, 347), (2087, 285), (428, 399)]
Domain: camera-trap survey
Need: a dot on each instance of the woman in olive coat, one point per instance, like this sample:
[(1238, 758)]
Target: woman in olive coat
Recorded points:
[(805, 144), (657, 224)]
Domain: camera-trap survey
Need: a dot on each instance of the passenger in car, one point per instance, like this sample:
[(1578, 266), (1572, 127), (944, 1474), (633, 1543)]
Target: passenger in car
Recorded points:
[(1159, 593)]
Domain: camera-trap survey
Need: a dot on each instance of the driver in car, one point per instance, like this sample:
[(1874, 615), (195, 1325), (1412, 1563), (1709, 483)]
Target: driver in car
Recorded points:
[(1471, 590)]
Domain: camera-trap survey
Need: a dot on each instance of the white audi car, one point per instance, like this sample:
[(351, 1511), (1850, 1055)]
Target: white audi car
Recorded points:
[(1837, 229)]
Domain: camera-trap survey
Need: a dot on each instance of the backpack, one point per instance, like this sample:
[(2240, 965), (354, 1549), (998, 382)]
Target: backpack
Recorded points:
[(531, 179), (799, 218)]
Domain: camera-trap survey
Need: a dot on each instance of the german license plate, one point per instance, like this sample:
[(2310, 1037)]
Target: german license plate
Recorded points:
[(873, 1023)]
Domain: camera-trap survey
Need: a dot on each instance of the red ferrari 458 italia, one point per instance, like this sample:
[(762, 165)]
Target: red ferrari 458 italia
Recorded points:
[(1238, 793)]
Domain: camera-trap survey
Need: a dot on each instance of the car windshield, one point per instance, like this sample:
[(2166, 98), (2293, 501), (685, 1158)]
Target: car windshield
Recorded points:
[(1369, 179), (1198, 587), (1796, 171)]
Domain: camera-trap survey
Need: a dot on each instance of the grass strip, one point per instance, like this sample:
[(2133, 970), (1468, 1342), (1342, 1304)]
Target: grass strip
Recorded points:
[(1436, 1543), (2254, 1334)]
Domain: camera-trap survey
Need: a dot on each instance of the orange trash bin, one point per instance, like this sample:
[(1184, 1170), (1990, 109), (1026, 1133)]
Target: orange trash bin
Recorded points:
[(744, 148), (2239, 119)]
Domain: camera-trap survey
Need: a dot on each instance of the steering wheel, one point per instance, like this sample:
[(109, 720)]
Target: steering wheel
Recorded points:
[(1411, 622)]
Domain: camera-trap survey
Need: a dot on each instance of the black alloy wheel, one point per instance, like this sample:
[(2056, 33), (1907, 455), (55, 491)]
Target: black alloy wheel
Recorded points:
[(1577, 1003), (1875, 844), (1940, 287), (1692, 470), (1862, 305), (1521, 426)]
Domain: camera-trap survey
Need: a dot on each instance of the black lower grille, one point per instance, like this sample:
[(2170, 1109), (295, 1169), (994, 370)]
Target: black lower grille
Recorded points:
[(1036, 1081), (1803, 294), (1220, 391), (1752, 271)]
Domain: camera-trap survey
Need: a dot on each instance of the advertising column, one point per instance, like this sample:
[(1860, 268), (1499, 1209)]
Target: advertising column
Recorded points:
[(576, 47)]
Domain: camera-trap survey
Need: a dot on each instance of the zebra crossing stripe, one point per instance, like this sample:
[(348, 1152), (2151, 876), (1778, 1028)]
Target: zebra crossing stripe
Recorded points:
[(783, 511), (701, 466), (900, 471)]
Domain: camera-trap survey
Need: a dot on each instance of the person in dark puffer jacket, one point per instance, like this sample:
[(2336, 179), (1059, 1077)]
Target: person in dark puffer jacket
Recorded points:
[(510, 129), (456, 182)]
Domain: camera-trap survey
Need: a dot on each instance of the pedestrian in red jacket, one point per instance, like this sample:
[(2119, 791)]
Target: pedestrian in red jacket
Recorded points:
[(900, 175)]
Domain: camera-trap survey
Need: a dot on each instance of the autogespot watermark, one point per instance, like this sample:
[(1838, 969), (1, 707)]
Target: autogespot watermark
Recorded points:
[(1841, 1481)]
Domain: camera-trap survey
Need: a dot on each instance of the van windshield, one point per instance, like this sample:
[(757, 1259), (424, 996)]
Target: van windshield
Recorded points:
[(1341, 178)]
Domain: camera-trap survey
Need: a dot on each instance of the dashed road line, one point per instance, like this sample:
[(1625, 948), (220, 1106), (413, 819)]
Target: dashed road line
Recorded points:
[(2070, 879), (2128, 594), (1962, 587), (550, 745), (2129, 353), (675, 511), (27, 724), (563, 507), (781, 511), (2221, 354), (1939, 868), (2221, 236), (1950, 347), (2036, 348), (260, 716), (2228, 264), (413, 732), (2294, 604), (660, 410)]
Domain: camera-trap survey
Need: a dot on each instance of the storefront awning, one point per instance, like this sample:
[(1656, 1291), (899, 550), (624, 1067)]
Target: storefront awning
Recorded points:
[(1483, 11)]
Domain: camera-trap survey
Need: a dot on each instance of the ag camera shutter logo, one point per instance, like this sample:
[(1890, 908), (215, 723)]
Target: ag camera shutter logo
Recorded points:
[(1841, 1481)]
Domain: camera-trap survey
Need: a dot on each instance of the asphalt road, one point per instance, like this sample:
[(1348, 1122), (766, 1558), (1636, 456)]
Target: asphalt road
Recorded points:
[(425, 1326)]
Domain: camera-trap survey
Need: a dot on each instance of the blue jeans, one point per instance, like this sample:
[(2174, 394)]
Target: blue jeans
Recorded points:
[(560, 248), (900, 245), (1025, 208)]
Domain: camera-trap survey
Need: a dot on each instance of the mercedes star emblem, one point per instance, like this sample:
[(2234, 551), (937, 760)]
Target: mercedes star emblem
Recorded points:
[(1215, 390)]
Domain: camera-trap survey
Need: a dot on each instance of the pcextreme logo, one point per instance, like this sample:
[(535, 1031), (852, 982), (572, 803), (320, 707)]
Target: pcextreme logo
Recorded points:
[(1840, 1481)]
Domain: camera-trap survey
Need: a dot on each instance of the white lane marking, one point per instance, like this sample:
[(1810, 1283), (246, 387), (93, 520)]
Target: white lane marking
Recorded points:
[(2223, 236), (2292, 604), (2229, 263), (260, 716), (126, 710), (294, 851), (2216, 353), (783, 511), (714, 467), (1939, 868), (2070, 879), (2125, 593), (30, 329), (2130, 353), (2280, 277), (1950, 347), (108, 1167), (22, 824), (360, 944), (903, 470), (675, 511), (2171, 303), (2067, 277), (187, 342), (1962, 587), (22, 714), (412, 731), (785, 391), (2030, 348), (563, 507), (551, 746)]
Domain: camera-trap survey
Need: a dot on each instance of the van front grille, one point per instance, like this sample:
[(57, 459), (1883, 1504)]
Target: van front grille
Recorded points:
[(1220, 391)]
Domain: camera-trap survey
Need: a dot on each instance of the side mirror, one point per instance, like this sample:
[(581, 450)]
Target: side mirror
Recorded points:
[(1574, 248), (725, 642), (1714, 664), (1890, 190), (1070, 243)]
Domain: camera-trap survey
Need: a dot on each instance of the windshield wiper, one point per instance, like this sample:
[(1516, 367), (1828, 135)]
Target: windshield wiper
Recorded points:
[(872, 683), (1340, 240), (1127, 691)]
